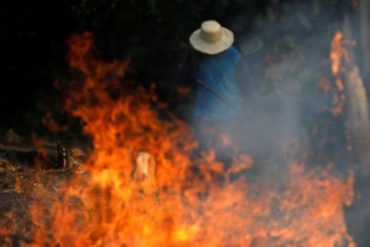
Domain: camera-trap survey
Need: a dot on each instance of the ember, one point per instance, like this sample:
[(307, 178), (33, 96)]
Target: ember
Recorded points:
[(189, 200), (173, 129)]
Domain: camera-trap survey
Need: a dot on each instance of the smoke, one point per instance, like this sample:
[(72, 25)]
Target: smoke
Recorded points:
[(278, 78), (287, 113)]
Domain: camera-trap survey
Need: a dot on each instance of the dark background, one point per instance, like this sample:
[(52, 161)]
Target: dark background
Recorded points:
[(153, 33)]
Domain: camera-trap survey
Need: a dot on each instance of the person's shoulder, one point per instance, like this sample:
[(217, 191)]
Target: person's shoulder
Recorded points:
[(234, 51), (229, 56), (232, 54)]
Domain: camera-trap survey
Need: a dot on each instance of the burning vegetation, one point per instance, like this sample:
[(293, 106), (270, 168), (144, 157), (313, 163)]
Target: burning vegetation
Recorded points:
[(144, 185), (112, 158)]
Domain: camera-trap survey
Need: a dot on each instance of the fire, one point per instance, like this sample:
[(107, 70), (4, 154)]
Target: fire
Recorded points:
[(338, 52), (144, 187)]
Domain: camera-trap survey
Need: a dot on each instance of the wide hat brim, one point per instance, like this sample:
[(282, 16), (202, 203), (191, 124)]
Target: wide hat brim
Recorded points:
[(224, 43)]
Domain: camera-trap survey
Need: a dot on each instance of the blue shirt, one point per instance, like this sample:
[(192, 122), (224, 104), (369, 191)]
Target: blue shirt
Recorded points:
[(218, 73)]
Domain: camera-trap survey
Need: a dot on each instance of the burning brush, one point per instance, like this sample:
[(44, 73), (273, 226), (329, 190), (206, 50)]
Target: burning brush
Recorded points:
[(143, 185)]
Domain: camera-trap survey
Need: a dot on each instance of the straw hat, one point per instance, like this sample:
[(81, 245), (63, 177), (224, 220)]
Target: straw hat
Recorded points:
[(211, 38)]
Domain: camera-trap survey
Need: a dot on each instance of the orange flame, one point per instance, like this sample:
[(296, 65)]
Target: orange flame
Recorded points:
[(189, 201), (338, 53)]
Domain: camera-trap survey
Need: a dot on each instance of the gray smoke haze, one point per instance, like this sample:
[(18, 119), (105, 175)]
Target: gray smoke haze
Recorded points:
[(284, 114)]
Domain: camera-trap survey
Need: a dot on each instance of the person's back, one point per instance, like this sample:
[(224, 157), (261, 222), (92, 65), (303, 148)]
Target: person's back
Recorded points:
[(217, 94)]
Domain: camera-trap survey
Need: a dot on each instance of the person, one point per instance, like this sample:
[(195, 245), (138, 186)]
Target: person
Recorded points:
[(217, 100)]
